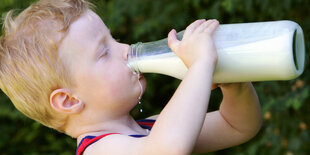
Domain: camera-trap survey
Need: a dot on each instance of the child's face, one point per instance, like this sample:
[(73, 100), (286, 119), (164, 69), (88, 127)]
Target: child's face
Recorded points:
[(99, 65)]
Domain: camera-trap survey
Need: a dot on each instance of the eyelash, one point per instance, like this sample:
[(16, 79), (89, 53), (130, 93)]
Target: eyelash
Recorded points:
[(105, 52)]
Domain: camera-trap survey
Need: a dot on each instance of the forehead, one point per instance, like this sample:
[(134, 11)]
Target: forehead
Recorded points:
[(83, 35), (88, 24), (81, 39)]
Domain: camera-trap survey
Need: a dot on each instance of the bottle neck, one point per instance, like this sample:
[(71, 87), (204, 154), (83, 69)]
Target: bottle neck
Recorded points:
[(133, 57), (140, 52)]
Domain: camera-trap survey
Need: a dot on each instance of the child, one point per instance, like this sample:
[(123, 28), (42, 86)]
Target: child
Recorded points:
[(61, 66)]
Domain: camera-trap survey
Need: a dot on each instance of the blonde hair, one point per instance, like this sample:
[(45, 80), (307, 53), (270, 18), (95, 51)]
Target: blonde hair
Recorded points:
[(30, 68)]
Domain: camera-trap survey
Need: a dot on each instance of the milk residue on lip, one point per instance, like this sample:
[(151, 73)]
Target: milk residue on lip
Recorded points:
[(141, 88), (141, 91)]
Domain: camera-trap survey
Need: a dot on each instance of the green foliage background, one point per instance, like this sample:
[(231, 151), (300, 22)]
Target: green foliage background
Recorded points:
[(285, 104)]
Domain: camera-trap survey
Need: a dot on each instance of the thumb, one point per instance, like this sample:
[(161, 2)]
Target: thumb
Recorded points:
[(214, 86), (173, 42)]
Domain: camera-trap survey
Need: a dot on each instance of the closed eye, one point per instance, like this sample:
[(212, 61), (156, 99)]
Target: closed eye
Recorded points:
[(104, 52)]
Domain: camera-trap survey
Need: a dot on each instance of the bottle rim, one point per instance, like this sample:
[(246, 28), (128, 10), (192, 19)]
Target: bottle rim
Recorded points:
[(133, 57)]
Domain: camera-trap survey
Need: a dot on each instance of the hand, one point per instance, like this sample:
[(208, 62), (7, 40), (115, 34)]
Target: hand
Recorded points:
[(227, 85), (234, 88), (197, 43), (214, 86)]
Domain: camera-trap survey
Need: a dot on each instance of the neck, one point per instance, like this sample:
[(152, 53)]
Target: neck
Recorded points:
[(125, 125)]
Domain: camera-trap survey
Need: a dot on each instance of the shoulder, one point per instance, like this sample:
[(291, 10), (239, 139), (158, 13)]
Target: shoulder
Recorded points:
[(111, 144), (154, 117)]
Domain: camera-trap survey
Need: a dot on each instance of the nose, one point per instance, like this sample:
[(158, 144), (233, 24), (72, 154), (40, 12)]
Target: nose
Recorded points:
[(125, 48)]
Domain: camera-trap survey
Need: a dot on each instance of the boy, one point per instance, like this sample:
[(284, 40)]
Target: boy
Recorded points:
[(61, 66)]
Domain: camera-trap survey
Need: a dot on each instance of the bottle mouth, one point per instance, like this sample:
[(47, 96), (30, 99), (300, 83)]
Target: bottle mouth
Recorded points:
[(298, 50), (133, 58)]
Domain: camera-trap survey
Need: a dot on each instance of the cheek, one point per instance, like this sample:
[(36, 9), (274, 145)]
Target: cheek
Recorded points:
[(92, 88), (119, 83)]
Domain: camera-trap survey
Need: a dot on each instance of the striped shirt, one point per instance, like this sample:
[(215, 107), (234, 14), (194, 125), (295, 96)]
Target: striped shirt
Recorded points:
[(88, 140)]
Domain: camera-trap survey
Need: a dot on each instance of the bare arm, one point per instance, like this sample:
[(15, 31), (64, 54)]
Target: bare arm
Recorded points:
[(241, 108), (180, 122), (237, 121)]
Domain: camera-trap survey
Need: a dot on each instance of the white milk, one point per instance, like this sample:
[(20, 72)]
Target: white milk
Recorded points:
[(167, 64), (243, 57)]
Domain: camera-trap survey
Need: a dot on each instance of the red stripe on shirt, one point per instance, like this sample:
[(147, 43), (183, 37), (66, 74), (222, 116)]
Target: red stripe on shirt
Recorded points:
[(150, 124), (87, 142)]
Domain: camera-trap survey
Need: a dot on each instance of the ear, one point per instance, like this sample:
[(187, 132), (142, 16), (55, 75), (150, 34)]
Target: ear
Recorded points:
[(63, 101)]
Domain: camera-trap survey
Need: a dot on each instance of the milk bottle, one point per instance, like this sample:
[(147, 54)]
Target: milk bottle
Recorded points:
[(261, 51)]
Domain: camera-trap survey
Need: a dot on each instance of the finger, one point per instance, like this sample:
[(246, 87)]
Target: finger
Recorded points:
[(173, 42), (192, 27), (212, 27), (203, 26), (214, 86)]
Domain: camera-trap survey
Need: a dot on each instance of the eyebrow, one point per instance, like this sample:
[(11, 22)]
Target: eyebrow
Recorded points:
[(99, 45), (101, 40)]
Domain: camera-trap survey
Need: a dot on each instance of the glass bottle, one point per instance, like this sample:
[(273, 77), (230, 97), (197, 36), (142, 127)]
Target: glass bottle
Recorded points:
[(261, 51)]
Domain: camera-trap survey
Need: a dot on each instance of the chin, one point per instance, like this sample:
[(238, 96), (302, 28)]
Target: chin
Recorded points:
[(143, 83)]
